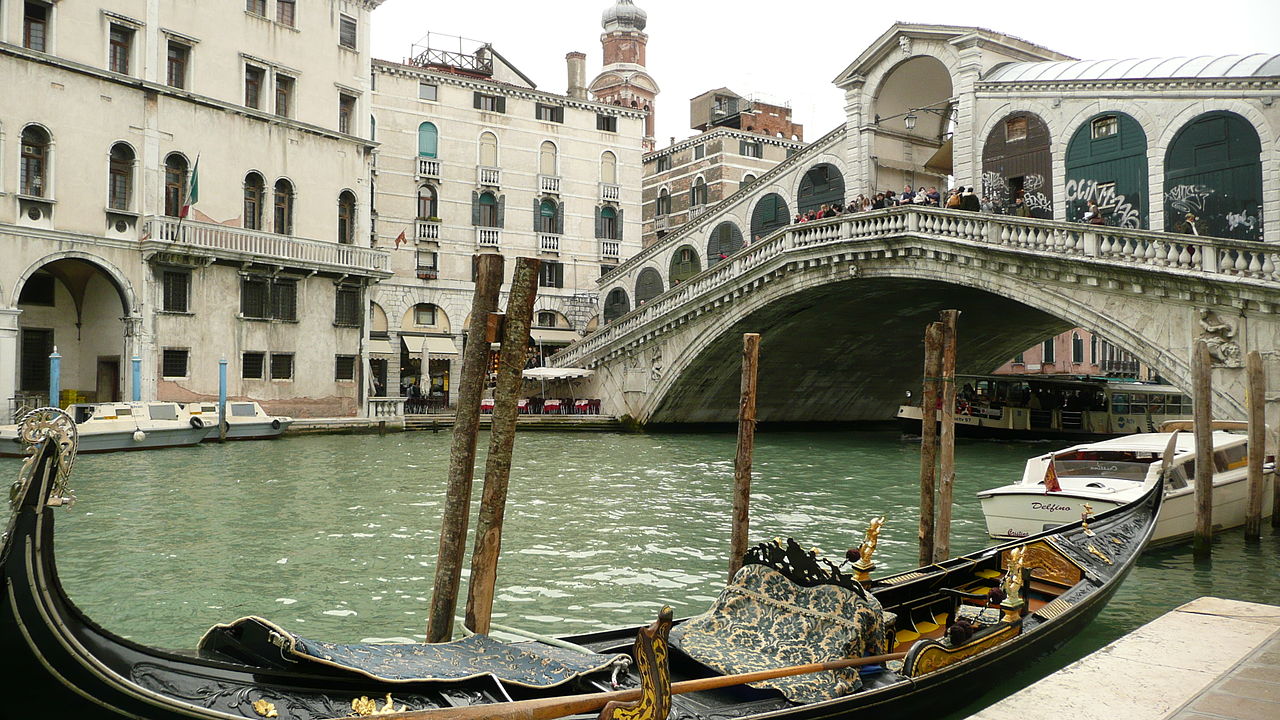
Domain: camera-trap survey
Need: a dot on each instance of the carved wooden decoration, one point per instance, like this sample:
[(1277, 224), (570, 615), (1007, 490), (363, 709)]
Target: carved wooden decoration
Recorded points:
[(655, 675)]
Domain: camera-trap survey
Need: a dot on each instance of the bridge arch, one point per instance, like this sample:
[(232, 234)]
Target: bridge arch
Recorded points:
[(769, 213), (616, 304)]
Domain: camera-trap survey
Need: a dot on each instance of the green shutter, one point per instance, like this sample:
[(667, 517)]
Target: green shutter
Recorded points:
[(475, 208), (502, 201), (560, 219)]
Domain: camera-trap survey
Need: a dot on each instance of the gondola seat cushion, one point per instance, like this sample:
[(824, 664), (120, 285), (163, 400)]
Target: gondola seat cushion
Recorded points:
[(527, 664), (762, 620)]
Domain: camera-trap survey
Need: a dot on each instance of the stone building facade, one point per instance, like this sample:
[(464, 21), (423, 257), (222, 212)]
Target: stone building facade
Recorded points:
[(181, 183)]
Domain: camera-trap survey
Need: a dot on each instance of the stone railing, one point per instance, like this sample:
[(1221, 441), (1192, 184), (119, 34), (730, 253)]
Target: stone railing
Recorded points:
[(428, 167), (1157, 252), (426, 230), (167, 234), (548, 243), (386, 407), (549, 184), (489, 176), (488, 237), (609, 191)]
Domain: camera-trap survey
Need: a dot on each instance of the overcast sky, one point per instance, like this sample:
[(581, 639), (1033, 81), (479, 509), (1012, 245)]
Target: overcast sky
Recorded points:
[(791, 50)]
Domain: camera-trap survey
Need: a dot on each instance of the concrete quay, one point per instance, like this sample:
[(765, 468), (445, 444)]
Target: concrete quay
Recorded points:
[(1210, 659), (361, 425)]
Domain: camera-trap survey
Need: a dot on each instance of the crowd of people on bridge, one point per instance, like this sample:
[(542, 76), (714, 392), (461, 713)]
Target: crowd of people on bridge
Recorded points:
[(959, 198)]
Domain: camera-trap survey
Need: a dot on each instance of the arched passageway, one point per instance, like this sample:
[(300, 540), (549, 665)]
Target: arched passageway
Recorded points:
[(769, 214), (1017, 165), (821, 185), (725, 240)]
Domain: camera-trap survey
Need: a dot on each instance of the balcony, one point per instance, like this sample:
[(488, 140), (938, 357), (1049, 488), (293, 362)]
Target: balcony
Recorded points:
[(610, 248), (611, 192), (696, 210), (548, 243), (488, 237), (426, 230), (549, 184), (662, 222), (428, 168), (163, 234), (489, 176), (425, 273)]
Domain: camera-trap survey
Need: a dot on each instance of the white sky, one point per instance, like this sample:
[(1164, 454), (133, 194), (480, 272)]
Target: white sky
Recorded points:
[(791, 50)]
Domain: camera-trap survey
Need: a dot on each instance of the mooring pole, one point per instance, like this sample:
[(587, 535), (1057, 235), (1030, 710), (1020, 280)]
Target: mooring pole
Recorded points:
[(746, 446), (137, 379), (502, 438), (55, 377), (929, 438), (1202, 380), (1255, 400), (947, 450), (222, 399), (462, 451)]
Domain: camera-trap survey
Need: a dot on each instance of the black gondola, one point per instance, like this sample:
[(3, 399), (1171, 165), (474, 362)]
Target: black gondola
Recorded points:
[(62, 664)]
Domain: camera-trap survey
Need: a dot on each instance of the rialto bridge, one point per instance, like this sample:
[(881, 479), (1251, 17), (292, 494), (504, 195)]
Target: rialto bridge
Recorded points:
[(842, 303)]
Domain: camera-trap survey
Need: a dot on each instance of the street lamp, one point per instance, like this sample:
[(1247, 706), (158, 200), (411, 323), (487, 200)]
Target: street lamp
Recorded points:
[(910, 120)]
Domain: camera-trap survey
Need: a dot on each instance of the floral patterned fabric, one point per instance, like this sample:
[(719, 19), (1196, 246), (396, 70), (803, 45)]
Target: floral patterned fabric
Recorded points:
[(762, 621)]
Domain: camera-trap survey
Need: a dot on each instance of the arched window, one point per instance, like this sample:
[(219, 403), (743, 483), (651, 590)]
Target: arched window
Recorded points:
[(769, 214), (175, 184), (748, 179), (428, 140), (1047, 351), (1213, 172), (427, 203), (609, 169), (648, 285), (616, 304), (488, 210), (120, 177), (255, 191), (608, 225), (547, 213), (821, 185), (664, 202), (1077, 348), (698, 193), (489, 149), (284, 207), (547, 159), (684, 265), (346, 217), (725, 240), (1093, 350), (35, 161)]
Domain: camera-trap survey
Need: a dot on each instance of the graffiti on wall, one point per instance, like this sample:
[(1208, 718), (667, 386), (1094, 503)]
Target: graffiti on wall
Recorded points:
[(995, 187), (1188, 198), (1120, 210), (1216, 213)]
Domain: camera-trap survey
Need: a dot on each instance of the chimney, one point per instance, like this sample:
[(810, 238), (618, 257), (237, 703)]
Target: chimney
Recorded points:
[(577, 63)]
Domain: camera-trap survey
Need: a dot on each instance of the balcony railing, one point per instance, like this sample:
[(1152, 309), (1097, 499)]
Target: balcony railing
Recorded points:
[(610, 248), (662, 222), (548, 243), (166, 234), (386, 407), (490, 176), (426, 230), (428, 167), (696, 210), (609, 191), (549, 184), (488, 237)]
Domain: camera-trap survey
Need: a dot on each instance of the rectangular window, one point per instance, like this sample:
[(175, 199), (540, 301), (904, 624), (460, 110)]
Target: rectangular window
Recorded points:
[(257, 7), (281, 366), (121, 42), (253, 366), (265, 299), (749, 148), (699, 151), (427, 91), (1015, 129), (549, 113), (546, 319), (489, 103), (1048, 351), (35, 26), (551, 274), (284, 95), (177, 290), (347, 32), (174, 364), (424, 315), (346, 309), (346, 109), (428, 261), (286, 12), (253, 78), (344, 368), (664, 163), (176, 65), (607, 123), (1105, 127), (284, 300)]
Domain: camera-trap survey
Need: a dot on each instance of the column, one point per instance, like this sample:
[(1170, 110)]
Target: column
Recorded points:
[(8, 359), (135, 344), (393, 365)]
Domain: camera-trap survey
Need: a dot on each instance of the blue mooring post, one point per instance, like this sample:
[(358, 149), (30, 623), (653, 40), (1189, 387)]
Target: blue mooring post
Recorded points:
[(137, 379), (222, 400), (55, 377)]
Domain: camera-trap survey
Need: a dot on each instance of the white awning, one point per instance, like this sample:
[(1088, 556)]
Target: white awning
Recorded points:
[(556, 337), (379, 347), (552, 373), (431, 344), (413, 343)]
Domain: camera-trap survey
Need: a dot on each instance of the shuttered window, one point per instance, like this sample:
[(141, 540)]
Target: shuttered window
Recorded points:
[(265, 299), (344, 367), (177, 286), (346, 310), (347, 32), (551, 274), (489, 103)]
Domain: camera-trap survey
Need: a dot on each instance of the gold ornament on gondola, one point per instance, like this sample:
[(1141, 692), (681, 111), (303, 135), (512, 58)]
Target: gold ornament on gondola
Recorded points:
[(365, 707), (863, 567), (1084, 519), (265, 709)]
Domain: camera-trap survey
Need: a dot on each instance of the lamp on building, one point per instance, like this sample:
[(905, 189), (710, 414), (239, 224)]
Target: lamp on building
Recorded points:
[(910, 120), (911, 116)]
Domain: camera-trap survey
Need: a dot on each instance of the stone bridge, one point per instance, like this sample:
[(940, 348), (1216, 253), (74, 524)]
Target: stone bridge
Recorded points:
[(842, 305)]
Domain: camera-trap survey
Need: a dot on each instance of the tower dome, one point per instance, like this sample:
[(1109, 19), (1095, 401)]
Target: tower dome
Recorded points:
[(624, 15)]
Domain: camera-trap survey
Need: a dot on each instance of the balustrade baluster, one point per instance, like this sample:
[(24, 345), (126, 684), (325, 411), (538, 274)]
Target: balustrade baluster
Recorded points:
[(1268, 267), (1242, 264), (1255, 264)]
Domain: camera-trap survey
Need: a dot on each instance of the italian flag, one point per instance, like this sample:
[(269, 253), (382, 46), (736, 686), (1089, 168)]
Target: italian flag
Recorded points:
[(193, 190)]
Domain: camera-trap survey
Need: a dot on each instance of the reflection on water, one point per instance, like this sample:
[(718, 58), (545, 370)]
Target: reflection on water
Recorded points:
[(335, 537)]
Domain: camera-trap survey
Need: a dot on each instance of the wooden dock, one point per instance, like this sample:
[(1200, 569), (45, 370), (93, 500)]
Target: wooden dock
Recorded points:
[(1211, 659)]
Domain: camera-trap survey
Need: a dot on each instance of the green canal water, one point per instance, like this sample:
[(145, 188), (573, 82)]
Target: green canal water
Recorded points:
[(335, 537)]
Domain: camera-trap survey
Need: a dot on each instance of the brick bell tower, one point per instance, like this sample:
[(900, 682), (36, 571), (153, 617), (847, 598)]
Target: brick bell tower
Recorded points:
[(624, 80)]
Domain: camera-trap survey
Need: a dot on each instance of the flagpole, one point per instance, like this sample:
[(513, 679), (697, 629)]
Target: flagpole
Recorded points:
[(192, 190)]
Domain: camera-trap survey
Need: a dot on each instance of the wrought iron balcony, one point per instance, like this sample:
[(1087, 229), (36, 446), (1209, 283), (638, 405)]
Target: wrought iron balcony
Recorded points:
[(490, 176), (549, 184), (163, 234), (548, 243), (609, 191), (426, 230), (488, 237), (428, 167)]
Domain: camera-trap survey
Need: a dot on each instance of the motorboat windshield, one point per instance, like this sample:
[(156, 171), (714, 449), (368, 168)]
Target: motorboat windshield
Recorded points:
[(1110, 469)]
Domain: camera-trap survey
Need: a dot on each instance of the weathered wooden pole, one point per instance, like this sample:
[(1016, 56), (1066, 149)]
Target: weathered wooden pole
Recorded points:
[(947, 460), (502, 438), (462, 451), (1202, 380), (929, 438), (746, 444), (1255, 400)]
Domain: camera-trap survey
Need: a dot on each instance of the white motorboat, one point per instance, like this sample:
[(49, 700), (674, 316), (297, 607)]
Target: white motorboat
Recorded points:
[(110, 427), (1110, 473), (246, 420)]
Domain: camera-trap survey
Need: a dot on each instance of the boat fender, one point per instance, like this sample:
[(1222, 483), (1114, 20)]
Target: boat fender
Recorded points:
[(275, 424), (139, 436), (197, 423)]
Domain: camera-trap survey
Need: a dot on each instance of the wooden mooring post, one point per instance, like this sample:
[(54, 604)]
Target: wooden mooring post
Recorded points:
[(1255, 401), (1202, 382), (502, 438), (929, 439), (746, 445), (947, 447), (462, 451)]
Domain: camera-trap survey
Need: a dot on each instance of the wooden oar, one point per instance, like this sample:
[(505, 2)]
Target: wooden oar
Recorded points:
[(557, 707)]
